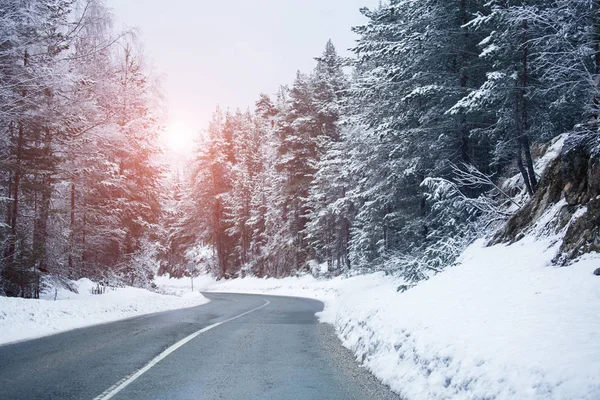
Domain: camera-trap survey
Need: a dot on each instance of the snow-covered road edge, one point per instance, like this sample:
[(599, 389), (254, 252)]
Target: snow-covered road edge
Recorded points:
[(503, 324), (25, 319)]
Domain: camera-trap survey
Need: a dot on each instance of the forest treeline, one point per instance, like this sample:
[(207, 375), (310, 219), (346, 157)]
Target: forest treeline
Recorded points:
[(394, 159), (399, 157), (79, 116)]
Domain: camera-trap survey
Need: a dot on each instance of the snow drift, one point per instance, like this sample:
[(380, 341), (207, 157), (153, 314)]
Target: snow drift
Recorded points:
[(22, 319), (504, 324)]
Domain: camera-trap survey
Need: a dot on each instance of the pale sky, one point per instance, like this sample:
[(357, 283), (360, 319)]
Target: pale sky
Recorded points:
[(228, 52)]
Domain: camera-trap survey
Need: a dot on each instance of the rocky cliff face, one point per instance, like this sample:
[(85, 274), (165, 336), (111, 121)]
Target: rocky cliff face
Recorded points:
[(573, 176)]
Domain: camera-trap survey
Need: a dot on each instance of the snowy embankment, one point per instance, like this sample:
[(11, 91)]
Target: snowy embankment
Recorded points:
[(22, 319), (503, 324)]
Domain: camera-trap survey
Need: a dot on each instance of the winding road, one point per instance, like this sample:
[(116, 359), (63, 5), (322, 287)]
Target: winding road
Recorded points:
[(238, 346)]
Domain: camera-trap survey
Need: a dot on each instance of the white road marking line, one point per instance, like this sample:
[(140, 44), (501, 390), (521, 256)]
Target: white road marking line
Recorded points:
[(116, 388)]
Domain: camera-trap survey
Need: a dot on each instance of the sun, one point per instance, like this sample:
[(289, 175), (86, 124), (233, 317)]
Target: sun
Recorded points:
[(178, 137)]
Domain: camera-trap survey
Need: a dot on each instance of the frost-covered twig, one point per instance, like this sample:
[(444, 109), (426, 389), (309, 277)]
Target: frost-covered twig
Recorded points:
[(470, 176)]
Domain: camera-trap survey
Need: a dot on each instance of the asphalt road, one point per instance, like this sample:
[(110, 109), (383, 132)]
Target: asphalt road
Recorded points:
[(276, 349)]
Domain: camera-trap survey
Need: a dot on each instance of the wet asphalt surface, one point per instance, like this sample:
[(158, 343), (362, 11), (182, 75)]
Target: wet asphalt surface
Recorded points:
[(279, 352)]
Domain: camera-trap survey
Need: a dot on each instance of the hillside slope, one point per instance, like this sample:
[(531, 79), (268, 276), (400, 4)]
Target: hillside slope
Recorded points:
[(568, 200)]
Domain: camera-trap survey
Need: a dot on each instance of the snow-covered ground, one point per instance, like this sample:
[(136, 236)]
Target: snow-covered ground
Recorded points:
[(503, 324), (22, 319)]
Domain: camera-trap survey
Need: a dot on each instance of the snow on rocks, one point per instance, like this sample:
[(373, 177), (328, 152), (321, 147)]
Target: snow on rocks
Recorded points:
[(22, 319), (502, 324)]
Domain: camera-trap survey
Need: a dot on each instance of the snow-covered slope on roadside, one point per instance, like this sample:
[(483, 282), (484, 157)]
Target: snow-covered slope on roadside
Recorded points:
[(503, 324), (22, 319)]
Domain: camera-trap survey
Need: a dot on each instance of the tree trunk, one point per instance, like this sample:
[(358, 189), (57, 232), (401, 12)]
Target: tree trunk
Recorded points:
[(523, 170), (14, 210), (519, 130), (83, 243), (10, 177), (346, 254), (524, 122), (596, 40), (463, 79), (16, 182), (521, 119), (41, 223), (72, 228)]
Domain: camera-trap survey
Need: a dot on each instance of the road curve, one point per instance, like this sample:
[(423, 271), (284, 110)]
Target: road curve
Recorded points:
[(278, 351)]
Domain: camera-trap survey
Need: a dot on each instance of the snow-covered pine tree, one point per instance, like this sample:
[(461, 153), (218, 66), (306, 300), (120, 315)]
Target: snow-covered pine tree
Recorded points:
[(34, 37), (329, 215), (298, 131), (273, 241), (415, 61)]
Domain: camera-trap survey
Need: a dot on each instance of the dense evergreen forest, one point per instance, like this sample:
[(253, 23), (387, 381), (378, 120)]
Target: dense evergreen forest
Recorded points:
[(394, 159), (79, 121)]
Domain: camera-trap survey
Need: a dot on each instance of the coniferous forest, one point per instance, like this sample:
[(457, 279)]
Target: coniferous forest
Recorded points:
[(392, 160), (79, 120)]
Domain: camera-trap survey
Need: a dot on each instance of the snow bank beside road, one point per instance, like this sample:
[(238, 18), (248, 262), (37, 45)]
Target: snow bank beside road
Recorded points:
[(305, 286), (503, 324), (22, 319)]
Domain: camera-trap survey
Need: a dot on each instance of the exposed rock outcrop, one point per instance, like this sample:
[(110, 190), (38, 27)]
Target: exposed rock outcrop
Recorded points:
[(575, 177)]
